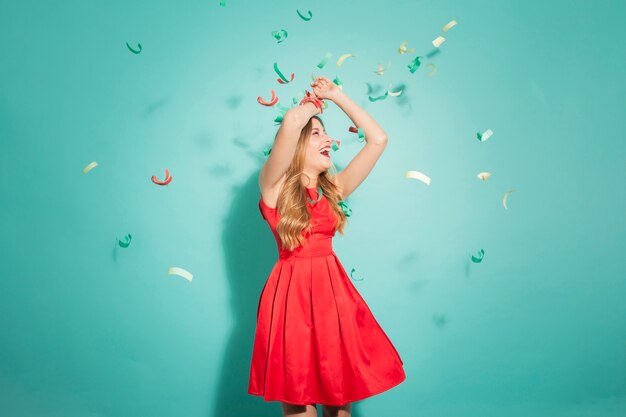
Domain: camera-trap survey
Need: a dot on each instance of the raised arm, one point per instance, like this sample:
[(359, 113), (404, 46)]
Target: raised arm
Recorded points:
[(284, 146), (375, 137)]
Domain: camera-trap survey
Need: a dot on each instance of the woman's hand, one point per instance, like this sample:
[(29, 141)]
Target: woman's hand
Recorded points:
[(324, 88)]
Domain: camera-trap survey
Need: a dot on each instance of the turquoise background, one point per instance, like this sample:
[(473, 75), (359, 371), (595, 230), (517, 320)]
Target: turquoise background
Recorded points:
[(87, 328)]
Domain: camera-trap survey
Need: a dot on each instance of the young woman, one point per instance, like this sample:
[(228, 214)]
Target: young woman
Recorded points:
[(316, 340)]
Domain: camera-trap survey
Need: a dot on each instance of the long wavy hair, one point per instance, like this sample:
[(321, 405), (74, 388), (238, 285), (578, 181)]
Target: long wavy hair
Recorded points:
[(291, 204)]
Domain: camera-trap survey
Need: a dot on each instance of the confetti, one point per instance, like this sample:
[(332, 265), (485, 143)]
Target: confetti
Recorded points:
[(506, 196), (282, 78), (343, 58), (418, 176), (485, 135), (335, 144), (304, 18), (167, 180), (133, 50), (344, 207), (352, 272), (395, 94), (414, 65), (475, 259), (174, 270), (272, 101), (384, 96), (449, 25), (438, 41), (484, 175), (402, 49), (434, 71), (267, 150), (223, 3), (126, 242), (433, 53), (359, 131), (338, 82), (324, 61), (89, 167), (280, 35), (381, 69)]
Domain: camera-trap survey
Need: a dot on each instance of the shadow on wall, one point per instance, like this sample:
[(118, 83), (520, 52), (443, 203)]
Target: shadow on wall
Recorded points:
[(250, 252)]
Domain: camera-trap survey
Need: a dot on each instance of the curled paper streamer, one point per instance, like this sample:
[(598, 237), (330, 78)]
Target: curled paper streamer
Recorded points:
[(506, 196), (280, 35), (267, 150), (449, 25), (418, 176), (282, 78), (485, 135), (481, 254), (438, 41), (324, 61), (126, 242), (304, 18), (434, 71), (360, 131), (343, 58), (167, 180), (133, 50), (335, 144), (344, 207), (381, 69), (223, 3), (174, 270), (402, 49), (272, 101), (384, 96), (89, 167), (395, 94), (338, 82), (352, 272), (320, 193), (414, 65), (484, 175)]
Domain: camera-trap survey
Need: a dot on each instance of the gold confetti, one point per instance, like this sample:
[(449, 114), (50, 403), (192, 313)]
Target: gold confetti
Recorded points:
[(438, 41), (484, 175), (174, 270), (402, 49), (343, 58), (90, 167), (434, 71), (506, 196), (449, 25), (418, 176)]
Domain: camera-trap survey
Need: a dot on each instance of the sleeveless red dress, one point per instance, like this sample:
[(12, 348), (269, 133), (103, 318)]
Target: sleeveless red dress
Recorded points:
[(316, 341)]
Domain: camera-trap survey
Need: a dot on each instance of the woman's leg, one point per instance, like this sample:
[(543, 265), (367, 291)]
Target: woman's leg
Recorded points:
[(309, 410), (337, 411)]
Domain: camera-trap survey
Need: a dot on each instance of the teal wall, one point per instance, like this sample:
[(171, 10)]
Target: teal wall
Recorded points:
[(88, 328)]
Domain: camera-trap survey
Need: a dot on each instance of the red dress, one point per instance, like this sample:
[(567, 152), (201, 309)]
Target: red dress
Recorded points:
[(316, 340)]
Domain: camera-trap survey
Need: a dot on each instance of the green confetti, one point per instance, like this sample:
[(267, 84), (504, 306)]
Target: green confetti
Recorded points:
[(223, 3), (334, 146), (267, 150), (477, 259), (304, 18), (337, 81), (324, 61), (320, 193), (280, 35), (384, 96), (124, 244), (352, 272), (485, 135), (361, 133), (133, 50), (280, 74), (414, 65), (346, 210)]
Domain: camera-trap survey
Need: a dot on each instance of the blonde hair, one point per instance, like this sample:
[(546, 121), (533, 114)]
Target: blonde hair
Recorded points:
[(291, 202)]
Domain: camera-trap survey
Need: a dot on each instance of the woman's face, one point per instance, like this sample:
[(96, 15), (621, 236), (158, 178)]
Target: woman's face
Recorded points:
[(318, 141)]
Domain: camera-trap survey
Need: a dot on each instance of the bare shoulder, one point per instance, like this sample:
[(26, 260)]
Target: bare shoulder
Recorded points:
[(270, 194)]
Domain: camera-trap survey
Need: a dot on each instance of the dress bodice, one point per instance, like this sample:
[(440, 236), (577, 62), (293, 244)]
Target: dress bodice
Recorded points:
[(323, 220)]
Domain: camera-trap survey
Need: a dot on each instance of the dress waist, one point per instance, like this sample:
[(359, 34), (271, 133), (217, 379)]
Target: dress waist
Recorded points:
[(315, 247)]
